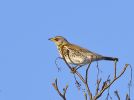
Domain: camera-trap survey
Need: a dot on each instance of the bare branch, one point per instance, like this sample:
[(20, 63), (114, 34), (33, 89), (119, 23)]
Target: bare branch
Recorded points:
[(127, 97), (98, 71), (97, 85), (105, 83), (117, 94), (130, 82), (65, 90), (108, 85), (85, 95), (86, 82), (86, 77), (86, 85), (108, 95), (78, 85), (63, 95), (98, 81)]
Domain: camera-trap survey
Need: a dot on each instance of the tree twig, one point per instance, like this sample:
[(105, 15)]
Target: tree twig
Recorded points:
[(85, 95), (86, 77), (63, 95), (57, 64), (115, 69), (127, 97), (97, 85), (86, 82), (108, 95), (78, 85), (130, 82), (98, 81), (117, 94)]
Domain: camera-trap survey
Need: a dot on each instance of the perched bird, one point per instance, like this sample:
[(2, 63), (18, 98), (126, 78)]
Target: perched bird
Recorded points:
[(75, 54)]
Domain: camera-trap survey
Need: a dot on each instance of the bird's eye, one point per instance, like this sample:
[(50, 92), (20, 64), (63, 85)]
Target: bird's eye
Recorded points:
[(56, 39)]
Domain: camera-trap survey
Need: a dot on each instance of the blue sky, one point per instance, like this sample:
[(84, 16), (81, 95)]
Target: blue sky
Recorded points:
[(27, 66)]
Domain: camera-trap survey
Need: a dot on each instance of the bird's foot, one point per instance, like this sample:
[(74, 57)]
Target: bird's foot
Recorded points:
[(73, 70)]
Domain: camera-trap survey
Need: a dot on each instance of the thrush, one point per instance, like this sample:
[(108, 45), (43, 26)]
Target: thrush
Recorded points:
[(74, 54)]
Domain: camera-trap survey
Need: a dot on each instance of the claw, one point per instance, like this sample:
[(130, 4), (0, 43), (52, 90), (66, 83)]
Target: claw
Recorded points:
[(73, 69)]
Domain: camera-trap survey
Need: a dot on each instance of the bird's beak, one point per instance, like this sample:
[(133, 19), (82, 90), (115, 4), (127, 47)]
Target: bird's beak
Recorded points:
[(51, 39)]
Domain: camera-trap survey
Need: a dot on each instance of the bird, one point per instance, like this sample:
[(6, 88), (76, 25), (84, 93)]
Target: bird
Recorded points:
[(77, 55)]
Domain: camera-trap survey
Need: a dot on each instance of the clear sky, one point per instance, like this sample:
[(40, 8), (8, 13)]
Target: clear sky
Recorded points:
[(27, 66)]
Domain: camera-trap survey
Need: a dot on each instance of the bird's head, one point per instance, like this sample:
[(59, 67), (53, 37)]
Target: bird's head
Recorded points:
[(59, 40)]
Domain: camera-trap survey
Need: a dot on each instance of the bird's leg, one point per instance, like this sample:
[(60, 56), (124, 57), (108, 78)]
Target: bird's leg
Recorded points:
[(74, 69)]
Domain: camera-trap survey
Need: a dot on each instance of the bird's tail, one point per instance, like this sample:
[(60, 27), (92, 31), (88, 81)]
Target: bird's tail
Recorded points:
[(110, 58)]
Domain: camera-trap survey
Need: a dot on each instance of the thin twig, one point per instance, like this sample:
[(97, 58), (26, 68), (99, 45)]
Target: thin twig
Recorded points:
[(59, 69), (86, 77), (108, 95), (86, 85), (65, 90), (127, 97), (85, 95), (79, 66), (105, 83), (86, 82), (63, 95), (115, 69), (78, 85), (98, 71), (98, 81), (130, 82), (117, 94), (97, 85)]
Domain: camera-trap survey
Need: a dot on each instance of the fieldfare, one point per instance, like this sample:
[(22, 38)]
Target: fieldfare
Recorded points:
[(74, 54)]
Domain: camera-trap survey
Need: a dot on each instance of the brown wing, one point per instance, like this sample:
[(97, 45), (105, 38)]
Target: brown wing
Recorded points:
[(84, 51), (79, 54)]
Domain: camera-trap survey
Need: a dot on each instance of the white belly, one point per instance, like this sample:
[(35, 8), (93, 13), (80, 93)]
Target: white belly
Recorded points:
[(77, 60)]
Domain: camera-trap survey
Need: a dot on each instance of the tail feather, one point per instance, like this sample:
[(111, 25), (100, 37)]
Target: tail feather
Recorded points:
[(110, 58)]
